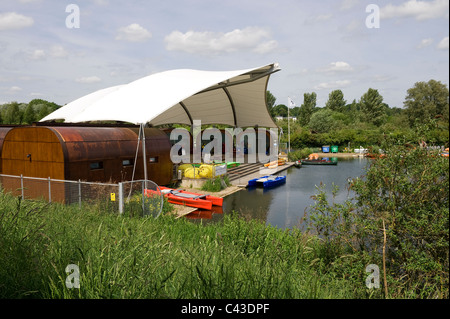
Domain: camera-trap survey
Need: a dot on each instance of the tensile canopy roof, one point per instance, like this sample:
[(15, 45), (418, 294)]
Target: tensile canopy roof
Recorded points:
[(236, 98)]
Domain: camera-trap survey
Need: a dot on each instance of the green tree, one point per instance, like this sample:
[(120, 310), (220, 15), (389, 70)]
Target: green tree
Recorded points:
[(270, 100), (427, 100), (43, 112), (373, 110), (37, 104), (294, 111), (352, 111), (402, 205), (29, 115), (336, 101), (12, 114), (307, 108), (280, 110), (326, 120)]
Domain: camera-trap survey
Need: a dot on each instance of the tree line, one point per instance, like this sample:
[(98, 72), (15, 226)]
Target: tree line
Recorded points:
[(366, 121), (361, 122), (26, 113)]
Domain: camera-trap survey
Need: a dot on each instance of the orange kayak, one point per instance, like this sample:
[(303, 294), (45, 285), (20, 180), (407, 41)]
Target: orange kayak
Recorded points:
[(215, 200), (191, 201)]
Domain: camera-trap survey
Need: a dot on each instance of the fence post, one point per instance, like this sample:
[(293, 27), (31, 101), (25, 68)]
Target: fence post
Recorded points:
[(49, 191), (79, 193), (120, 198), (143, 199), (21, 186)]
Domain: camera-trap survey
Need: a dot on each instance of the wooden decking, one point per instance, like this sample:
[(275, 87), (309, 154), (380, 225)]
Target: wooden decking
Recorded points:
[(239, 177)]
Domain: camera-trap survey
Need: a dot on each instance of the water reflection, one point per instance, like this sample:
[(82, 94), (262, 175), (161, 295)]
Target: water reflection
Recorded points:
[(251, 203), (284, 206)]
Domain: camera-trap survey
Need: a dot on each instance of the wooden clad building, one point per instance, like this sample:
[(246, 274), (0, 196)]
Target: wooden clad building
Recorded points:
[(3, 130), (87, 153)]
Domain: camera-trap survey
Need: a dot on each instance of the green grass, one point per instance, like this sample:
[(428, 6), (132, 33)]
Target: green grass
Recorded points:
[(216, 184), (144, 257)]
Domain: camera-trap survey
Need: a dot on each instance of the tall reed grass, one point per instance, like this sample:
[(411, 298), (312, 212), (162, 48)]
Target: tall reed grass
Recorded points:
[(143, 257)]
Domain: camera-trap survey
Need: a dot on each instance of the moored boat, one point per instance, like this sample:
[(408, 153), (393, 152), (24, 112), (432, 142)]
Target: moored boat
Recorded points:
[(318, 162), (184, 198), (298, 163), (215, 200), (267, 181)]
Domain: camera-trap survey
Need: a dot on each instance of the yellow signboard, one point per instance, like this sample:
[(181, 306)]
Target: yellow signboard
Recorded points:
[(113, 197)]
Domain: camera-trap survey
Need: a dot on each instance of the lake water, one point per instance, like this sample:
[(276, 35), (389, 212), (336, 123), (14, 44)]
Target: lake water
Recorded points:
[(284, 205)]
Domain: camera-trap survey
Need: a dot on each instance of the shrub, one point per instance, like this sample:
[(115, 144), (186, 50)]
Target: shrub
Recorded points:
[(299, 154), (216, 184), (405, 197)]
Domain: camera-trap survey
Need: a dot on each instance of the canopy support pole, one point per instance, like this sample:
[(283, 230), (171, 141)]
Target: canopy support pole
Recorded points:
[(231, 104), (187, 112), (144, 154)]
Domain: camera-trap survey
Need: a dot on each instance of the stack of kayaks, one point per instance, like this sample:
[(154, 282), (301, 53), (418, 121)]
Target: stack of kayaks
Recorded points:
[(181, 197), (267, 181), (276, 163)]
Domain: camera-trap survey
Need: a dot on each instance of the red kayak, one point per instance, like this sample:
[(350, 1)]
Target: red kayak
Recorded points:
[(181, 197), (200, 214), (215, 200)]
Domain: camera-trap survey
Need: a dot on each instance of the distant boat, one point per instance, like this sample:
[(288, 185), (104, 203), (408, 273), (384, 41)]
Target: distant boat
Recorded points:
[(318, 162), (267, 181), (298, 163)]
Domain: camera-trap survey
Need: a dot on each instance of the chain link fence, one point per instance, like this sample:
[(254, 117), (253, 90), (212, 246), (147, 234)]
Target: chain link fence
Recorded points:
[(141, 197)]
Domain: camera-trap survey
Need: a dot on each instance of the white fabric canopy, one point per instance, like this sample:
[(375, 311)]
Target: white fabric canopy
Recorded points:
[(72, 109), (236, 98)]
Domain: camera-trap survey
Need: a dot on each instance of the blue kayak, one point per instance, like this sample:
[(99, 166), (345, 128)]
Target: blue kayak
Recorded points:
[(267, 181)]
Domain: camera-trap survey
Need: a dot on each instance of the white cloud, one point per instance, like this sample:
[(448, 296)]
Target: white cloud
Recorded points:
[(37, 55), (424, 43), (253, 39), (58, 51), (348, 4), (133, 33), (14, 21), (443, 44), (318, 19), (101, 2), (266, 47), (420, 10), (14, 89), (88, 79), (382, 78), (354, 26), (337, 67), (332, 85)]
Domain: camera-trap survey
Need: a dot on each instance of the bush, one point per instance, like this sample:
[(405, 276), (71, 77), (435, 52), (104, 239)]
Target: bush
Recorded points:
[(299, 154), (216, 184), (405, 197)]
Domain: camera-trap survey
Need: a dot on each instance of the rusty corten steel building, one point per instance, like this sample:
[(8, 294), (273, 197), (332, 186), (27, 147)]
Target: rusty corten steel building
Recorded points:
[(3, 130), (87, 153)]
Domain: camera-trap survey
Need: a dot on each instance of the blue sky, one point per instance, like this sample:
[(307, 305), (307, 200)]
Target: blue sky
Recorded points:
[(320, 45)]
